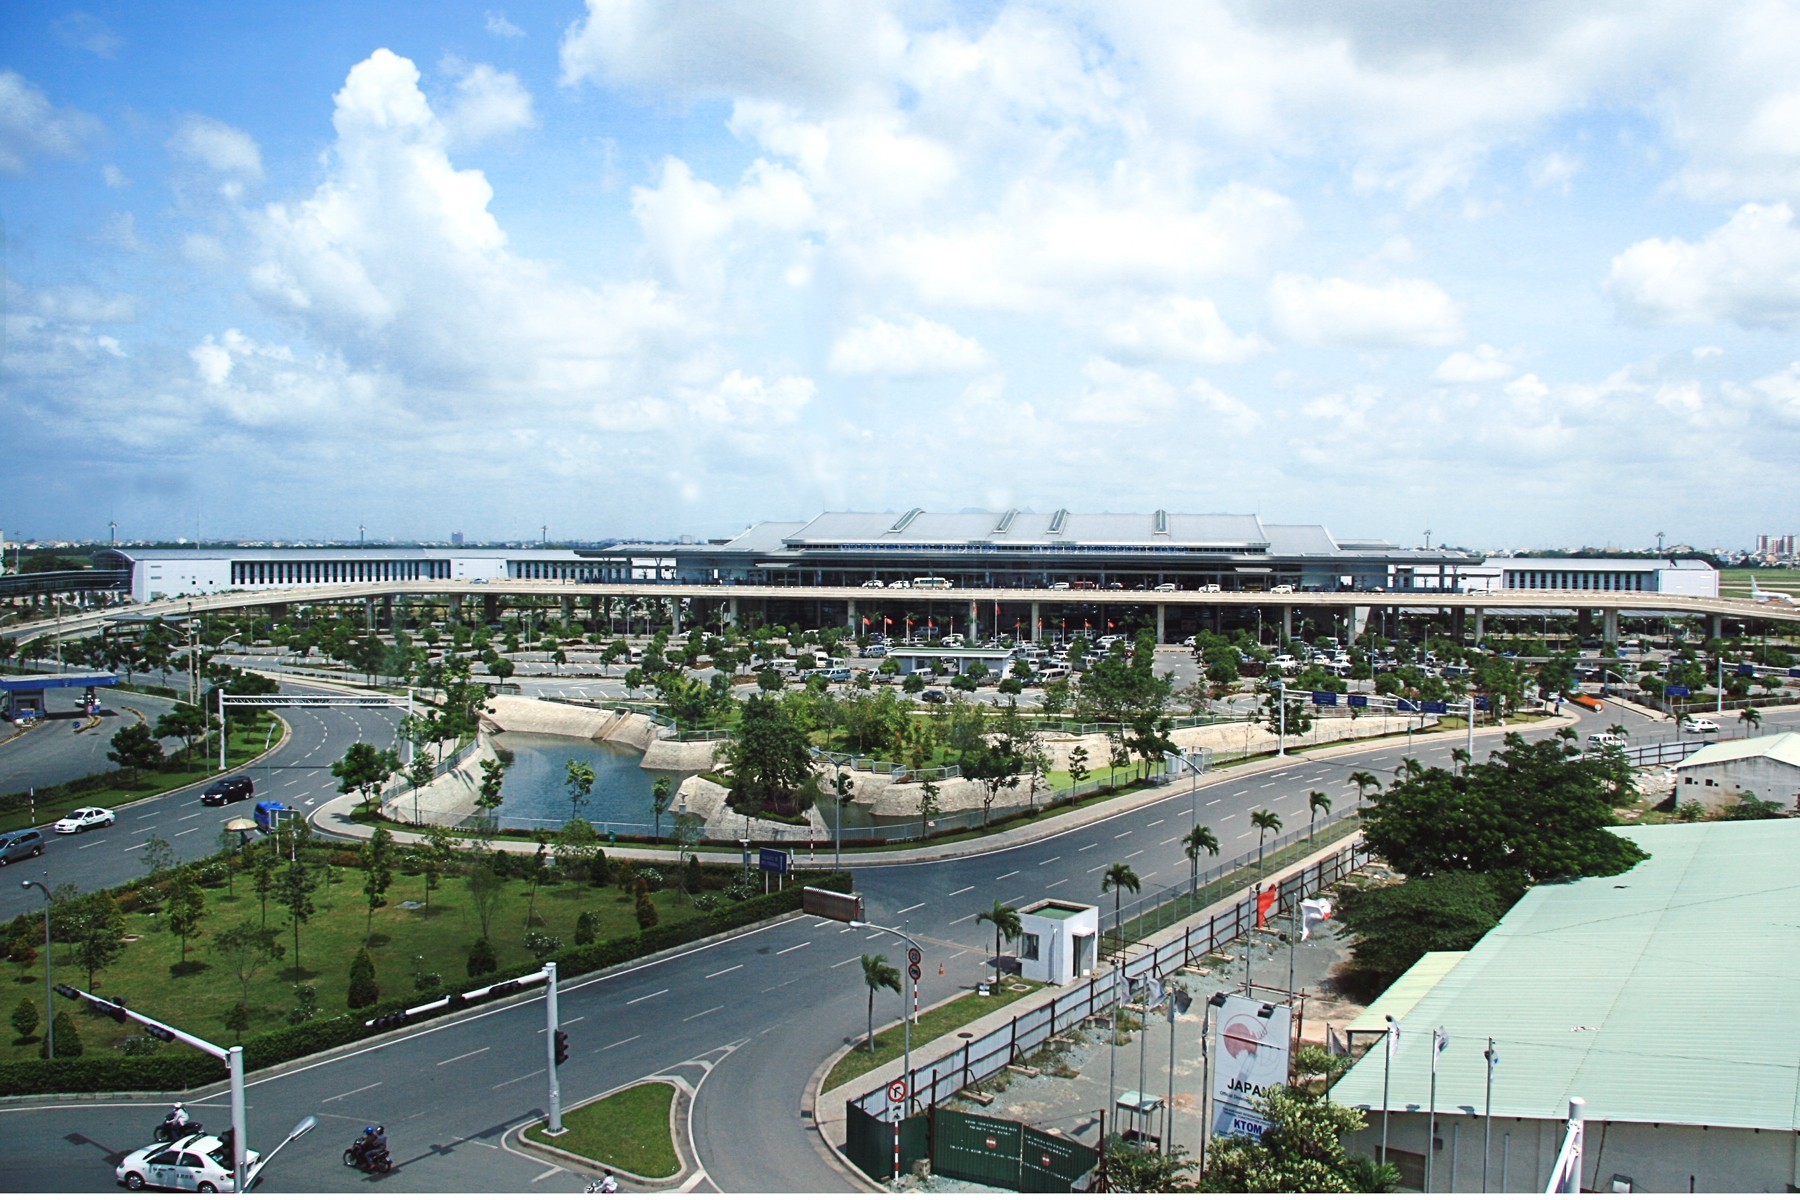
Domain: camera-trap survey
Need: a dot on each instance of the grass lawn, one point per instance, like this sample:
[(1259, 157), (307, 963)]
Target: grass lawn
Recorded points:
[(890, 1043), (404, 941), (247, 741), (628, 1131)]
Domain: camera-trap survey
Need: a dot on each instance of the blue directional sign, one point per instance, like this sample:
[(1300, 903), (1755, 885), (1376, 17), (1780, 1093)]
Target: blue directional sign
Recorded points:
[(1675, 689), (1325, 699), (774, 862), (1435, 706), (1747, 669), (1408, 706), (1482, 704), (1359, 701)]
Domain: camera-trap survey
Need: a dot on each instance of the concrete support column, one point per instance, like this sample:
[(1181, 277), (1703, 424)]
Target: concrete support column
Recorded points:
[(1161, 612), (1457, 616), (675, 615), (1480, 624), (1036, 621), (1359, 621), (568, 609), (1287, 623), (1584, 623), (731, 611), (456, 605), (369, 613), (1717, 625), (1610, 623), (974, 634), (490, 608)]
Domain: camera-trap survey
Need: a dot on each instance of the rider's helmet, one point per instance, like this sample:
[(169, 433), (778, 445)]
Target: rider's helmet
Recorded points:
[(370, 1130)]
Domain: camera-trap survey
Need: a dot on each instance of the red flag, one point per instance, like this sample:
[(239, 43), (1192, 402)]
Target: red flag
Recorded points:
[(865, 620), (1264, 902), (887, 620), (1109, 624)]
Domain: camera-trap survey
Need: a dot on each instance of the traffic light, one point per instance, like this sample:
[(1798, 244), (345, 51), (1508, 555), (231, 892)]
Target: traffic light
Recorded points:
[(160, 1034), (106, 1008), (67, 992), (386, 1021), (562, 1047)]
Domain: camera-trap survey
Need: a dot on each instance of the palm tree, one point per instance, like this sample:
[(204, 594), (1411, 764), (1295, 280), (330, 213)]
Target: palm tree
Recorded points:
[(1364, 782), (1317, 803), (1618, 730), (1117, 880), (1198, 838), (878, 974), (1749, 716), (1007, 926), (1460, 757), (1266, 822)]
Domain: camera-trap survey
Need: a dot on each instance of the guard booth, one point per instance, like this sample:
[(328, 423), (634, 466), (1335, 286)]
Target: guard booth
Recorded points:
[(23, 696), (1058, 940)]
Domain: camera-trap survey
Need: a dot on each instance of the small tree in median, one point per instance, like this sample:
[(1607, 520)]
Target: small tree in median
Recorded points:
[(878, 974), (364, 991), (1007, 926)]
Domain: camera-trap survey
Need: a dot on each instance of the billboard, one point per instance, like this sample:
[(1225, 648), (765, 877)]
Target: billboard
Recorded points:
[(1250, 1056)]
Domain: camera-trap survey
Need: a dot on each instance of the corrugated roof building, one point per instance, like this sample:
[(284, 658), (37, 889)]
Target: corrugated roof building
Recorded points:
[(1768, 767), (1667, 998)]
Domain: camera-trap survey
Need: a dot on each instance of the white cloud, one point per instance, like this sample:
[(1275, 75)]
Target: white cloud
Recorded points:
[(32, 127), (1554, 171), (914, 349), (1176, 329), (1216, 410), (1117, 395), (87, 32), (1341, 312), (114, 177), (802, 50), (488, 104), (1746, 272), (499, 26), (1480, 365), (217, 146)]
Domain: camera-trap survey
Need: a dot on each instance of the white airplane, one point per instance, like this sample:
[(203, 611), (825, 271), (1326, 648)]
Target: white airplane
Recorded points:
[(1760, 596)]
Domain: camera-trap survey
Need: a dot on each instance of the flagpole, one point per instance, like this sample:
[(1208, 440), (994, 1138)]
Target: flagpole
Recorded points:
[(1487, 1136), (1387, 1074), (1439, 1039)]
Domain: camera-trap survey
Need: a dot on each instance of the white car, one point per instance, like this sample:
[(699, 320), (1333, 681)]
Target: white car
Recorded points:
[(190, 1164), (1282, 589), (1165, 587), (85, 818), (1699, 725), (899, 585), (873, 583), (1208, 587)]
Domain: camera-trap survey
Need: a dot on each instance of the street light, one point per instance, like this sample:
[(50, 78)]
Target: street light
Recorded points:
[(905, 1017), (49, 970)]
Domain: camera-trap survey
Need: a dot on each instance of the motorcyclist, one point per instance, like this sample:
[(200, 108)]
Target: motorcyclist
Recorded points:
[(371, 1145), (178, 1123), (609, 1185)]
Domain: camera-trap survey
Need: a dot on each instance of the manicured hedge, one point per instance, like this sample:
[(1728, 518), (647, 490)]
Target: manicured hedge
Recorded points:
[(176, 1071)]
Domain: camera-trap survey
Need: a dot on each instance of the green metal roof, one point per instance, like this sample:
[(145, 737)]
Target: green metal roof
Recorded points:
[(1669, 993), (1782, 747), (1406, 992)]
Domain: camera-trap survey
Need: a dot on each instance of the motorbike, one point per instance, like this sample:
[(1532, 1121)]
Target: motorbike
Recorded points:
[(168, 1131), (379, 1162)]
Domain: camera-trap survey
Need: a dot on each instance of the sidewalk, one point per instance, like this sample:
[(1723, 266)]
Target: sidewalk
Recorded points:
[(333, 819)]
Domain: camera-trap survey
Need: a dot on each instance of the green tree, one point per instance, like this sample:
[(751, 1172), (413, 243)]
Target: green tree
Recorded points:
[(364, 991), (1266, 822), (1007, 927), (769, 758), (1301, 1151), (68, 1036), (662, 794), (493, 779), (378, 875), (246, 949), (578, 778), (99, 938), (365, 769), (261, 861), (1192, 843), (1078, 765), (646, 912), (184, 721), (1750, 718), (485, 885), (294, 888), (1119, 879), (25, 1018), (878, 974), (929, 792), (1318, 804), (136, 749), (1395, 925), (435, 856), (482, 959), (184, 907)]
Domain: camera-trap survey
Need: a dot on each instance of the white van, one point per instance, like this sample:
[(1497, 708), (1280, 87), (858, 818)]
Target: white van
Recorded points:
[(935, 583), (1605, 741)]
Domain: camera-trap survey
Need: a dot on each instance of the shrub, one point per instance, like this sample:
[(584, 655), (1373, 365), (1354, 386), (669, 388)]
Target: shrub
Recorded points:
[(646, 911), (306, 1004), (345, 858), (237, 1018), (541, 945), (68, 1038), (25, 1018), (599, 870), (584, 929), (364, 991), (481, 958)]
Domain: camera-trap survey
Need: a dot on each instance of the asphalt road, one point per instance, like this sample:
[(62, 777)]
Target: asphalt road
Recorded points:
[(59, 748), (298, 774), (754, 1014)]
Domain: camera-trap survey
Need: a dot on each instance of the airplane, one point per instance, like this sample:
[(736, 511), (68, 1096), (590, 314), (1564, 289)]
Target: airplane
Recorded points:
[(1760, 596)]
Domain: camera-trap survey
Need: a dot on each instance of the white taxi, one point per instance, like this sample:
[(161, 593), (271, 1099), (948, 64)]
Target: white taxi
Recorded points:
[(85, 818), (198, 1163)]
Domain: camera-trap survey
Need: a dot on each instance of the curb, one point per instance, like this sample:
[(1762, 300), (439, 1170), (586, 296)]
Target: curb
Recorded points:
[(680, 1106)]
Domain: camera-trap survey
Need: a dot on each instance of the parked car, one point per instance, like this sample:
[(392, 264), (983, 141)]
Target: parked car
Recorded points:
[(1282, 589), (85, 818), (932, 696), (1599, 740), (226, 791), (1061, 585), (1165, 587), (21, 843)]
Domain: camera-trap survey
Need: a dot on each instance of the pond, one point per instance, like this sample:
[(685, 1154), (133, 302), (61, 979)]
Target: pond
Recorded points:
[(536, 793)]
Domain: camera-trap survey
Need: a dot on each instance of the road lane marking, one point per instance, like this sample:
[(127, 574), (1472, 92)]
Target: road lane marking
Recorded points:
[(181, 832), (1245, 792), (914, 908), (1014, 900), (970, 888), (1156, 822), (960, 920), (613, 1045), (1127, 833), (85, 845), (1210, 803), (1176, 838), (460, 1057), (543, 1175), (651, 996), (1134, 854), (341, 1095), (834, 966), (1096, 867), (726, 971), (957, 955), (520, 1079), (1089, 846), (791, 949), (1048, 861), (707, 1013), (139, 846), (1008, 875)]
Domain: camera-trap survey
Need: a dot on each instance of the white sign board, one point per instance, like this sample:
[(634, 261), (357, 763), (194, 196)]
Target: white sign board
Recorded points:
[(1250, 1056)]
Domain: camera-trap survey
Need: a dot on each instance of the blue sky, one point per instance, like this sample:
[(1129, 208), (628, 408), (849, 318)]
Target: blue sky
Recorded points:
[(1522, 274)]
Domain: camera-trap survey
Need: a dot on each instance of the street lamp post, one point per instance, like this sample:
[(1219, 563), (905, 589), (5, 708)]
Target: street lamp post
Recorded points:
[(49, 971), (906, 1017)]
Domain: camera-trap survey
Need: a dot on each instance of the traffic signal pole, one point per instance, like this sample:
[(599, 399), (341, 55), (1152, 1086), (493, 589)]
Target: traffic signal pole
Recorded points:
[(552, 1036)]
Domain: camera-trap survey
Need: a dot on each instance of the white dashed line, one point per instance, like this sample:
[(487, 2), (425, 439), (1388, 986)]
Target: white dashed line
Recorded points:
[(914, 908), (1155, 823), (460, 1057), (1177, 838), (1048, 861), (791, 949), (970, 888), (726, 971), (1008, 875), (650, 996), (960, 920), (707, 1013), (612, 1045), (1127, 833), (1089, 846)]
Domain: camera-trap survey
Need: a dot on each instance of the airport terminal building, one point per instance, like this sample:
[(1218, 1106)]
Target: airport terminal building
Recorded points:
[(1062, 549)]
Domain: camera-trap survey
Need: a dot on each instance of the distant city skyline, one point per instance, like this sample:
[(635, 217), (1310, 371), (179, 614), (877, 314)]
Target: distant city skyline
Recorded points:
[(1523, 275)]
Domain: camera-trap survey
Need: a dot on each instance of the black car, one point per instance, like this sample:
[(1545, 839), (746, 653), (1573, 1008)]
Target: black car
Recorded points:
[(225, 791), (932, 696)]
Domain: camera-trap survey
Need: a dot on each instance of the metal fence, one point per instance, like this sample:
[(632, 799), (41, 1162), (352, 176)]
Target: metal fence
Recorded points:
[(979, 1058)]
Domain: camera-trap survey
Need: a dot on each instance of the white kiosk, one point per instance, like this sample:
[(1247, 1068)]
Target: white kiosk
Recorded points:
[(1058, 940)]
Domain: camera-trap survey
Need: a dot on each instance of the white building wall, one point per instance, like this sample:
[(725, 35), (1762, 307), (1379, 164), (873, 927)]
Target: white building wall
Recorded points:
[(179, 577), (1720, 783), (1688, 578), (466, 567)]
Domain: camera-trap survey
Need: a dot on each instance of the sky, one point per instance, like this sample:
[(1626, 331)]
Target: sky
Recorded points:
[(1522, 274)]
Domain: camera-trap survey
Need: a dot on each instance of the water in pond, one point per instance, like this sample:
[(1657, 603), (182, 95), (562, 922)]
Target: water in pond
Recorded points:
[(536, 793)]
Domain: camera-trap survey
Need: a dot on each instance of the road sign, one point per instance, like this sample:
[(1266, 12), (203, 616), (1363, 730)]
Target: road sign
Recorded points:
[(914, 970), (897, 1090), (774, 862), (914, 955), (834, 906), (1675, 689)]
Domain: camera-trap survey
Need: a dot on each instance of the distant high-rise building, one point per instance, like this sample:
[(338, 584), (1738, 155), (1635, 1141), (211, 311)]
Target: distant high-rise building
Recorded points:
[(456, 539)]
